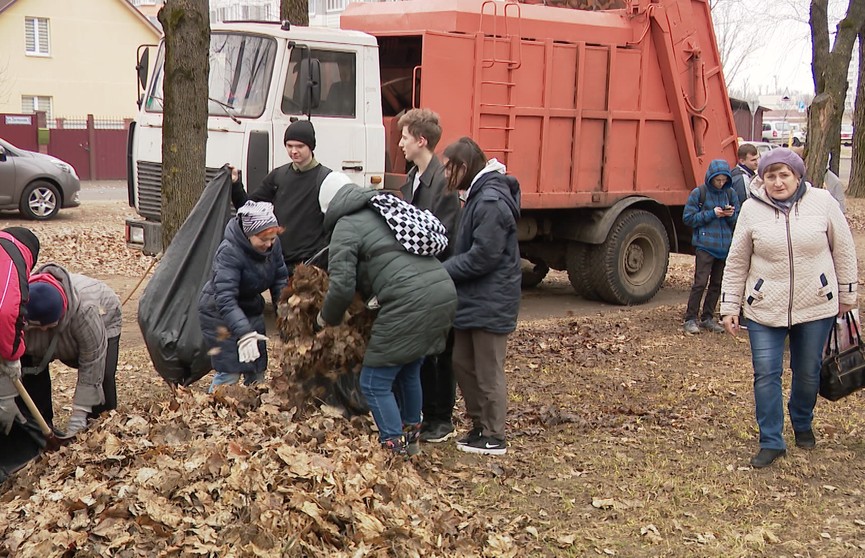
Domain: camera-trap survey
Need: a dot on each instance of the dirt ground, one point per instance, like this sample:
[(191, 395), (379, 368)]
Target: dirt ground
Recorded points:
[(627, 437)]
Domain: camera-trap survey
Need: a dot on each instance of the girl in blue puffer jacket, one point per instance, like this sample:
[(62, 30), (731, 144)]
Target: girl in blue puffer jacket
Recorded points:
[(231, 308)]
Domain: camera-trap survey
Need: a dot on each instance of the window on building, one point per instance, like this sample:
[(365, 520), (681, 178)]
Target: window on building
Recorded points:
[(31, 103), (36, 36)]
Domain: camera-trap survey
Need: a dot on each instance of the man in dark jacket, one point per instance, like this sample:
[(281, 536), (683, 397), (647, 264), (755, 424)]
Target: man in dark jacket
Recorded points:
[(745, 170), (426, 188), (485, 268), (294, 190), (711, 210), (417, 303)]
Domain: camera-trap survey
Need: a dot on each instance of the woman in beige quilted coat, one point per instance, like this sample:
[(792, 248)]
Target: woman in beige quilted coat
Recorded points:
[(792, 269)]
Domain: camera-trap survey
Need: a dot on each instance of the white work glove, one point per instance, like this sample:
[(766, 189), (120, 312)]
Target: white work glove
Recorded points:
[(78, 420), (247, 346), (9, 414), (11, 369)]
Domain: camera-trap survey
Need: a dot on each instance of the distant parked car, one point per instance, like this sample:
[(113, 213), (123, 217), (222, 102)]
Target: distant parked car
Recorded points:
[(846, 134), (36, 184), (762, 146), (780, 132)]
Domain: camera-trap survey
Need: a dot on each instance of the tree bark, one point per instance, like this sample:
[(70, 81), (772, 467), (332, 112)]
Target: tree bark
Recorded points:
[(856, 187), (294, 11), (829, 70), (186, 25)]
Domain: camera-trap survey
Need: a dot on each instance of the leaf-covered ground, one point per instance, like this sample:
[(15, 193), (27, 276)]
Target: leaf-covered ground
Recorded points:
[(627, 438)]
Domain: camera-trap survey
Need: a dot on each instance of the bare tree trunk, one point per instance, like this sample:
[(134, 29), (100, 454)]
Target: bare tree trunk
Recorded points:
[(295, 11), (829, 69), (857, 165), (186, 25)]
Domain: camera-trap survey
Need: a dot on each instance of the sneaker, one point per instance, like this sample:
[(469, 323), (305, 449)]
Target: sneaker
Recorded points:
[(691, 327), (766, 457), (396, 446), (474, 434), (709, 324), (437, 432), (806, 439), (411, 438), (485, 445)]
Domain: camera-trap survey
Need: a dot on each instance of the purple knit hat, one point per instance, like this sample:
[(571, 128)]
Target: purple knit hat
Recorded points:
[(781, 155)]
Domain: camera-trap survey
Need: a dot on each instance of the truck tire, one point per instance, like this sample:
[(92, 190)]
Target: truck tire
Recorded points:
[(631, 264), (533, 273), (577, 264)]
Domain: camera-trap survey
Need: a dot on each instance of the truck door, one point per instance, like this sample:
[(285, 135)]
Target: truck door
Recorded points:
[(338, 119)]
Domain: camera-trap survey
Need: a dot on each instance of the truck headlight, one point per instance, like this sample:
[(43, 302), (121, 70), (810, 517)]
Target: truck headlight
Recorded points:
[(134, 235)]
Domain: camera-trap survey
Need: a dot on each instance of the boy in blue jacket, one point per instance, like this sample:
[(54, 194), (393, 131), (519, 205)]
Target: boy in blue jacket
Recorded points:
[(711, 210)]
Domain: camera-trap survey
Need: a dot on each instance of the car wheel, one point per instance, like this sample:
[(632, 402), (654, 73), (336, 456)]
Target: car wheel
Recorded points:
[(40, 201)]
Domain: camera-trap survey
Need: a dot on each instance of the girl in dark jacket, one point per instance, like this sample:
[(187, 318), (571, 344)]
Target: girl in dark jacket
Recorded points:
[(231, 308), (485, 268)]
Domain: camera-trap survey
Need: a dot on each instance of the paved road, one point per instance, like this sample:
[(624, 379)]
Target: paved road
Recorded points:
[(103, 190)]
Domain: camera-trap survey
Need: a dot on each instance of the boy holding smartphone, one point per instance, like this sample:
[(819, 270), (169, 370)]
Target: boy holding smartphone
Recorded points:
[(711, 210)]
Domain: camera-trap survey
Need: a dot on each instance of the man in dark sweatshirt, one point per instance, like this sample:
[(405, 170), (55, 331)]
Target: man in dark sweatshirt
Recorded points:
[(294, 190)]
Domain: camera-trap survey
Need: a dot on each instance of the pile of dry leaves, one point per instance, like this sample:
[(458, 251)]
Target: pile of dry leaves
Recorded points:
[(245, 472), (317, 366), (231, 475)]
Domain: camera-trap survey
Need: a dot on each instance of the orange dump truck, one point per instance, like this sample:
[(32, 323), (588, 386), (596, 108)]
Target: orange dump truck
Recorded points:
[(607, 117)]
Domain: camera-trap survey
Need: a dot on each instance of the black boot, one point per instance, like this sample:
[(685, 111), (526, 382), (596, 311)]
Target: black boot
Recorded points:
[(766, 457)]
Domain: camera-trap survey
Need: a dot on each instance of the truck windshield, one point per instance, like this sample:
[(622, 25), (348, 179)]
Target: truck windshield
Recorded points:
[(241, 66)]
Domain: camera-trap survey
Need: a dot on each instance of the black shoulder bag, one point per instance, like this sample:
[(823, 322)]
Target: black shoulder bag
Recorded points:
[(842, 372)]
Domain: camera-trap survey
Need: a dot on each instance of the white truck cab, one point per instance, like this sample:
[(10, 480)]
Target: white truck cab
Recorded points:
[(262, 77)]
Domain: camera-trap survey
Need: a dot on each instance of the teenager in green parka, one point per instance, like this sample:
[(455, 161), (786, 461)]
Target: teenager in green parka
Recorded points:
[(417, 302)]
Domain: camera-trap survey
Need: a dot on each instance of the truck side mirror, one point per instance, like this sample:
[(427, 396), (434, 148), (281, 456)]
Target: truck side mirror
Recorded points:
[(310, 75), (2, 154), (142, 67)]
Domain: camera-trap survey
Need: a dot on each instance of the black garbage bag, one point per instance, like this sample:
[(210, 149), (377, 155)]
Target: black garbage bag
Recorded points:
[(168, 309)]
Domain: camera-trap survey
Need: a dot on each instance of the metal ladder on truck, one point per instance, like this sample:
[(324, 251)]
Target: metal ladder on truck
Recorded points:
[(494, 100)]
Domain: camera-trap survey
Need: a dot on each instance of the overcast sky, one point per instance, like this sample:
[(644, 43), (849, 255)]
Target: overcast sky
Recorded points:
[(775, 40)]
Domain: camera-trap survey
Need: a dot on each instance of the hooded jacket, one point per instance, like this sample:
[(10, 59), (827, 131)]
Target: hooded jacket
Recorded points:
[(711, 233), (231, 305), (417, 298), (485, 266), (92, 315), (791, 267)]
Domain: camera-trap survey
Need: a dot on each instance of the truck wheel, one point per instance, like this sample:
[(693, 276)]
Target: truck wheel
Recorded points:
[(40, 200), (631, 264), (533, 273), (577, 264)]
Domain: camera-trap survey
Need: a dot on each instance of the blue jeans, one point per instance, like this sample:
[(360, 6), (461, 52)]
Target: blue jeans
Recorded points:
[(231, 378), (379, 385), (807, 341)]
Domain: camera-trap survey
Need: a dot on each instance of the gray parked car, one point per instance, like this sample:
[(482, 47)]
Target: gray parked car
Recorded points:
[(36, 184)]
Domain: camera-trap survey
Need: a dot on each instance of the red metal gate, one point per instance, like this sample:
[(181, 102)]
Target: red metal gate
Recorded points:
[(95, 147), (73, 147)]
